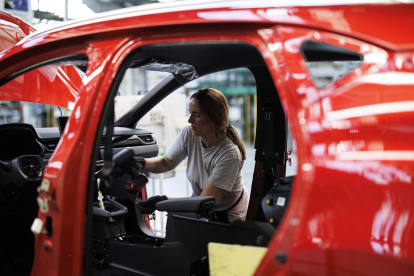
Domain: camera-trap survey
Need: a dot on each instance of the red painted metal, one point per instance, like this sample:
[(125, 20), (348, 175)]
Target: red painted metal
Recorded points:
[(351, 210), (60, 88), (346, 19), (12, 30), (53, 87), (353, 194), (146, 216), (73, 153)]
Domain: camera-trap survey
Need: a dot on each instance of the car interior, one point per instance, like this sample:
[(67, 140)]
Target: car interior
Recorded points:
[(119, 239), (191, 223)]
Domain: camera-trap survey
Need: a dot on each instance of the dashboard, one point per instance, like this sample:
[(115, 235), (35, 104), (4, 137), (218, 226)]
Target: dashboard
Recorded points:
[(18, 140), (25, 152)]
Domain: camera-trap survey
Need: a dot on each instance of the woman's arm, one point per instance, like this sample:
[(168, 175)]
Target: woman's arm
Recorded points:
[(210, 190), (159, 164)]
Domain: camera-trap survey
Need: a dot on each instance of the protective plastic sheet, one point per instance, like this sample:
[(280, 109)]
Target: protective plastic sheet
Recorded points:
[(185, 70)]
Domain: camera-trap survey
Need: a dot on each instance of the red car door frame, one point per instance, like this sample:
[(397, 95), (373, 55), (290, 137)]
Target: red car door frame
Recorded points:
[(65, 248)]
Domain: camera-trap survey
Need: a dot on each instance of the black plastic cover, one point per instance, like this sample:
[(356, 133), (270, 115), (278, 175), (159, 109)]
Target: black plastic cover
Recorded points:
[(123, 157), (275, 202), (177, 68), (187, 204), (172, 259), (109, 223), (196, 234)]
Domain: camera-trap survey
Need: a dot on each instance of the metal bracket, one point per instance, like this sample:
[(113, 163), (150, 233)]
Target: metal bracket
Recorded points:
[(43, 205)]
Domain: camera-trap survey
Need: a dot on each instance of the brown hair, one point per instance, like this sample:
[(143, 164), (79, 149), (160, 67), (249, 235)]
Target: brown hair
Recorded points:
[(214, 105)]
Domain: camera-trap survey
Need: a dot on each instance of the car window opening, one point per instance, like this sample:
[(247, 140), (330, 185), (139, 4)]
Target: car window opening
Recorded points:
[(328, 63), (245, 81)]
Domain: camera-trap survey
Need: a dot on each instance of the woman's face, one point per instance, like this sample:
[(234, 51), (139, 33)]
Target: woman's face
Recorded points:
[(199, 124)]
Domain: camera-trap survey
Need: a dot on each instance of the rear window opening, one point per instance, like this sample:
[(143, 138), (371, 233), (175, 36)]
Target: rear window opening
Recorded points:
[(327, 63)]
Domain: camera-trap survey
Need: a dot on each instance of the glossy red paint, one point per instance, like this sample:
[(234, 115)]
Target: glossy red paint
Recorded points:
[(12, 30), (74, 156), (55, 86), (351, 209), (346, 19), (356, 162), (48, 85)]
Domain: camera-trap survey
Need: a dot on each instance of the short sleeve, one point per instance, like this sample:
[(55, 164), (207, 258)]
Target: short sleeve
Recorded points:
[(225, 170), (179, 149)]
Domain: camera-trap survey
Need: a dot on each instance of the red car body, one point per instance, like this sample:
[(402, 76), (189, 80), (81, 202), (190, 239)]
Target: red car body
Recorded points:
[(12, 30), (352, 208), (61, 91)]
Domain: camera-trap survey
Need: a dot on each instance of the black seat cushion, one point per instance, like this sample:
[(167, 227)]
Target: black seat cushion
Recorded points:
[(187, 204)]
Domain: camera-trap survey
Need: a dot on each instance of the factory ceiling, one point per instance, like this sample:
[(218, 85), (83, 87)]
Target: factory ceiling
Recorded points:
[(108, 5)]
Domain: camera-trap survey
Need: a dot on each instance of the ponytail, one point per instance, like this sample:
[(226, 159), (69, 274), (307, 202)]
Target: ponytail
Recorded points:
[(232, 134)]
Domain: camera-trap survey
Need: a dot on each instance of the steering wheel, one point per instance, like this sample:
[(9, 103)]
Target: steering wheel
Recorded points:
[(19, 179)]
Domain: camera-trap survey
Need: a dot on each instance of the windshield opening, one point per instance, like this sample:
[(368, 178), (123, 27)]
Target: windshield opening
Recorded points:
[(36, 114)]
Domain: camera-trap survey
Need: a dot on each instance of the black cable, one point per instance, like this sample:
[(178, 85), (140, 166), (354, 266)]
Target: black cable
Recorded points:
[(41, 170), (215, 216), (61, 114), (120, 230)]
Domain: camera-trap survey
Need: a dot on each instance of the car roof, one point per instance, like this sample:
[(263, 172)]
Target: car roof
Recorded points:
[(185, 6), (361, 19)]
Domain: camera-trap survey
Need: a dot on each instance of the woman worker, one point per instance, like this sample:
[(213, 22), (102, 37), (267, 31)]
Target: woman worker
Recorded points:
[(215, 156)]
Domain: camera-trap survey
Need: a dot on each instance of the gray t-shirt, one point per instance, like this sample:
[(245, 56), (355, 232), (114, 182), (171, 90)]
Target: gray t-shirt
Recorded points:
[(220, 166)]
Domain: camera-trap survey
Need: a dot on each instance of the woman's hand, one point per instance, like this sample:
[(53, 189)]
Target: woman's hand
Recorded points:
[(210, 190), (159, 164)]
